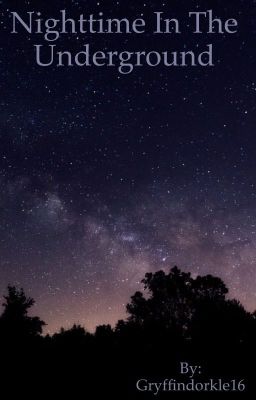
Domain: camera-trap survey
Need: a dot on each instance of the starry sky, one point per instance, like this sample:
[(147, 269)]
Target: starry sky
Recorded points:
[(105, 176)]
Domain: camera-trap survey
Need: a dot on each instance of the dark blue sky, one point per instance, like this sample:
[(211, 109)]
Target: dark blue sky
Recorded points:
[(105, 176)]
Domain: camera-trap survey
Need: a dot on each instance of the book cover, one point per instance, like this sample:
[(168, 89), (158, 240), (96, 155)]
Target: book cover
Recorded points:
[(128, 193)]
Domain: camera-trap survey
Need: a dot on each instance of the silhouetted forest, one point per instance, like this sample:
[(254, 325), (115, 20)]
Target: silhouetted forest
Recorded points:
[(176, 318)]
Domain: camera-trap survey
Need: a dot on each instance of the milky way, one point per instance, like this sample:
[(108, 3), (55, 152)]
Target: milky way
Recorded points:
[(104, 177)]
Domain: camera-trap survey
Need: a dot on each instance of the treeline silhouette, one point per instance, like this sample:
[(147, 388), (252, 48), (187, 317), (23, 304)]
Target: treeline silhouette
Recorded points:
[(177, 318)]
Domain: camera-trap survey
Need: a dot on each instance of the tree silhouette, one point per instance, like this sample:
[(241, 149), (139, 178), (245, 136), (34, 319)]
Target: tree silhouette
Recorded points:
[(103, 332), (172, 300), (76, 333), (221, 322), (15, 321), (177, 317)]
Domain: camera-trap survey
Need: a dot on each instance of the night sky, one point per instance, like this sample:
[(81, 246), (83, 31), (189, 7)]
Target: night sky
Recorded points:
[(105, 176)]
